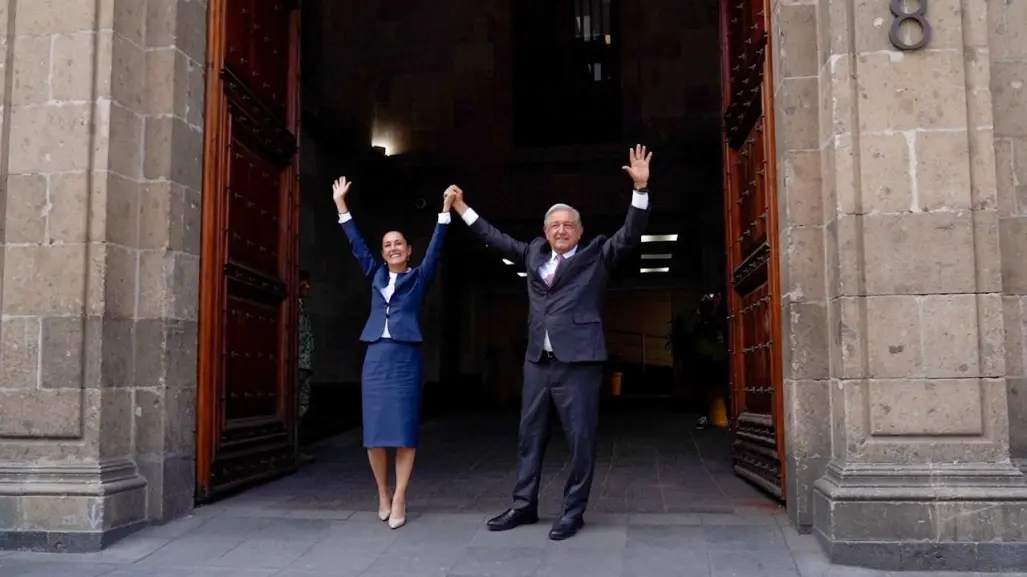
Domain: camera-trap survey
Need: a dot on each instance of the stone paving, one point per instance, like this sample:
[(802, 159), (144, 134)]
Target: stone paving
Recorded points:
[(665, 504)]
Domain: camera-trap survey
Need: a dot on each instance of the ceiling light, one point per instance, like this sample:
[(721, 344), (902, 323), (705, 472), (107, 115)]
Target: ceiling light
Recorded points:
[(522, 274), (660, 269), (659, 237), (662, 256), (507, 262)]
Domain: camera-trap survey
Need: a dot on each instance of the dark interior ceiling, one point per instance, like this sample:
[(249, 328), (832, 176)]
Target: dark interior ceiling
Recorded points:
[(513, 190)]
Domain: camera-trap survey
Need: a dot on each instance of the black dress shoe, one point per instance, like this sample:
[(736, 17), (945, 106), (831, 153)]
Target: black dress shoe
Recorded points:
[(512, 518), (566, 527)]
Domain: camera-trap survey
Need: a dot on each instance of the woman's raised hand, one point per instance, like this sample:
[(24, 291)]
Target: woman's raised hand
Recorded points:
[(339, 190)]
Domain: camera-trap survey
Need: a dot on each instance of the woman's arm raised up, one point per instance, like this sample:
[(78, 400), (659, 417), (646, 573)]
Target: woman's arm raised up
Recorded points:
[(369, 264)]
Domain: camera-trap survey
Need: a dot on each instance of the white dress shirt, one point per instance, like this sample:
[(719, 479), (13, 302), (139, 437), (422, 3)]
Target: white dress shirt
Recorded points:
[(549, 268), (638, 200), (444, 218)]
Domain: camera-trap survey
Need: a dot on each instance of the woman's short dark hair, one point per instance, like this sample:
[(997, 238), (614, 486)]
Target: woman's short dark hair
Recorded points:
[(400, 233)]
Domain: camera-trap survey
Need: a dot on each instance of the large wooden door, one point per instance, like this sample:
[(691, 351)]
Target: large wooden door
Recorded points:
[(751, 231), (246, 429)]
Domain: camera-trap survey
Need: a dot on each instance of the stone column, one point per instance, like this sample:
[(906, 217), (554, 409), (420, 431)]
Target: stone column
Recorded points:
[(170, 174), (97, 317), (920, 475), (1008, 57), (800, 219), (67, 477)]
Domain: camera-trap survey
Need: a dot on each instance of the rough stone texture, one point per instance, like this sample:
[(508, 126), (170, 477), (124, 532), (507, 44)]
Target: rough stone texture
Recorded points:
[(166, 253), (1007, 56), (65, 433), (920, 302), (804, 299), (101, 156)]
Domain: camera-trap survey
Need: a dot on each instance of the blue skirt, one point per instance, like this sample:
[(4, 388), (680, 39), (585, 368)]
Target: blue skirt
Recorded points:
[(391, 394)]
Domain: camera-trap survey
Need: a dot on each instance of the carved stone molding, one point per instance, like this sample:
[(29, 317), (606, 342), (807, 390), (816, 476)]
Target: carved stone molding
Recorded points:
[(72, 479)]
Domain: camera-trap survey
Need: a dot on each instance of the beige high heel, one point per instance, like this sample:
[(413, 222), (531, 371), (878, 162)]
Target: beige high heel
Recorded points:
[(397, 522), (383, 514)]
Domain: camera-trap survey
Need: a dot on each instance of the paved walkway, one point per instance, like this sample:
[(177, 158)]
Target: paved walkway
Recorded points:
[(664, 504)]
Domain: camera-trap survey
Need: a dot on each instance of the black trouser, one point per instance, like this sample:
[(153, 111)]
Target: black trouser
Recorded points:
[(574, 390)]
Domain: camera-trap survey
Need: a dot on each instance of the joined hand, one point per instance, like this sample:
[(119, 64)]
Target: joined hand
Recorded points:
[(456, 198), (448, 197)]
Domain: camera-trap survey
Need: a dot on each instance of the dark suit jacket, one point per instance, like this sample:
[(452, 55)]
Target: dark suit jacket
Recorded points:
[(570, 309), (403, 311)]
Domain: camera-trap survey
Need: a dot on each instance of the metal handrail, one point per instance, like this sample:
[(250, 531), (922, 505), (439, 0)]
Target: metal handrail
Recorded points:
[(642, 341)]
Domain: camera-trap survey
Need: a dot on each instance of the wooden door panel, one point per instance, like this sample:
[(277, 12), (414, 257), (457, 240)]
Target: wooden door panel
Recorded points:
[(750, 227), (238, 56), (253, 210), (274, 42), (251, 367), (246, 429), (268, 39)]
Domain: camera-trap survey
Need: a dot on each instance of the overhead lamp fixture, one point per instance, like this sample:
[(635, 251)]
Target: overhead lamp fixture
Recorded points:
[(522, 274), (386, 137), (507, 262), (659, 269), (659, 238), (660, 256)]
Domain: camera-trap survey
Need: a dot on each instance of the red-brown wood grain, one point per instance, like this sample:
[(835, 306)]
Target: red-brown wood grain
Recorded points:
[(246, 406), (750, 203)]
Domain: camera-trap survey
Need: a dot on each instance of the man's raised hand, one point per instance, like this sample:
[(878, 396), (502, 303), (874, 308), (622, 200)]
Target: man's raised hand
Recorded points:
[(638, 166)]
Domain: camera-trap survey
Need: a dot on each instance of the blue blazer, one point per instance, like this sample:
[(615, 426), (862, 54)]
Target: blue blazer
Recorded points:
[(403, 311)]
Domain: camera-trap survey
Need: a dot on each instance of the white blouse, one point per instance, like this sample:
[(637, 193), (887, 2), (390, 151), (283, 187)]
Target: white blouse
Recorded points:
[(387, 293)]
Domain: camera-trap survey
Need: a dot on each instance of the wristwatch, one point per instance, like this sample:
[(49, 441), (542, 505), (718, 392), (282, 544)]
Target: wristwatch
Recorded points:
[(643, 190)]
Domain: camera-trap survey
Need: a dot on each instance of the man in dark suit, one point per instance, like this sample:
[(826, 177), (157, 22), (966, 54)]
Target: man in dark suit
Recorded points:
[(566, 344)]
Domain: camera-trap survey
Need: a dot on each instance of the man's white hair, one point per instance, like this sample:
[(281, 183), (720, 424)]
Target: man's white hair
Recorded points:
[(559, 207)]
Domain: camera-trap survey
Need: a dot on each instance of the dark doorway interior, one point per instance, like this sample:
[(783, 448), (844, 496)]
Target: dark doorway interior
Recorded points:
[(407, 99)]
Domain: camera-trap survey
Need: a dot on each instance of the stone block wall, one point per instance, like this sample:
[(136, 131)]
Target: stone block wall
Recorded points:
[(1007, 56), (100, 155), (902, 246), (166, 252), (801, 223)]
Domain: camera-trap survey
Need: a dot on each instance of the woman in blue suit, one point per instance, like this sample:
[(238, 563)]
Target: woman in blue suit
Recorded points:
[(391, 379)]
